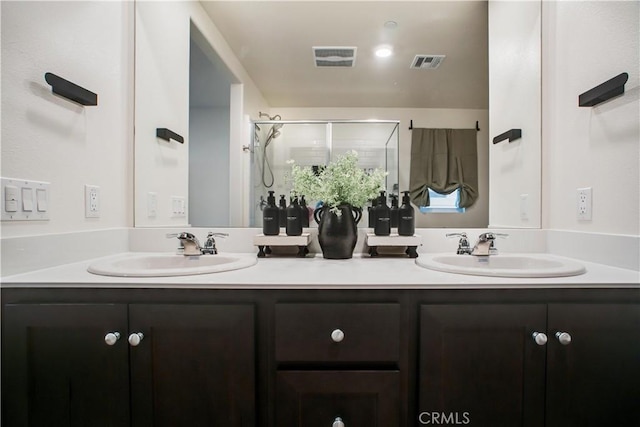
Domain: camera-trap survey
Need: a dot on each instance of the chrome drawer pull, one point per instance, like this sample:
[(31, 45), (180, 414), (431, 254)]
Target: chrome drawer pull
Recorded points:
[(135, 338), (564, 338), (337, 335), (540, 338), (111, 338)]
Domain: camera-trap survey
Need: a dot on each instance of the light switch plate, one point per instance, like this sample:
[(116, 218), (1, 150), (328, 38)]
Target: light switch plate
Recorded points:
[(20, 200), (178, 207)]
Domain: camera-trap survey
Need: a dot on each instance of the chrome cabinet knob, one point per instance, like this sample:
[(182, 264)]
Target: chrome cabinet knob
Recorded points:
[(563, 337), (540, 338), (111, 338), (337, 422), (135, 338), (337, 335)]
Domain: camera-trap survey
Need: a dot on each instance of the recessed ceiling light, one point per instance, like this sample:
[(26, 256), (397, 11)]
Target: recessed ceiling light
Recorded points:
[(384, 51)]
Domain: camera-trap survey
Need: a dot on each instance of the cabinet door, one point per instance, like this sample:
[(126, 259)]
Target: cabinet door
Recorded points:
[(194, 366), (57, 369), (480, 364), (319, 398), (594, 380)]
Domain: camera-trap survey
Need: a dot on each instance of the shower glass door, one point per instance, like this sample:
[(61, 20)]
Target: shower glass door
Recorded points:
[(315, 143)]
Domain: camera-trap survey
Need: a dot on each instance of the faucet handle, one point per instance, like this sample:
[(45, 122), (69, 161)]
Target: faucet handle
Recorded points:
[(171, 235), (463, 243), (210, 244), (491, 236), (212, 234), (462, 234)]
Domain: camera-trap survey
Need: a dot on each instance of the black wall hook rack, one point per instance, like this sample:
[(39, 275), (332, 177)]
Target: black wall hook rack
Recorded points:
[(167, 135), (511, 135), (603, 92), (70, 90)]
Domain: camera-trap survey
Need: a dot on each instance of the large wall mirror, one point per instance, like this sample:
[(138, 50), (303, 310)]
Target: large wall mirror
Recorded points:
[(258, 57)]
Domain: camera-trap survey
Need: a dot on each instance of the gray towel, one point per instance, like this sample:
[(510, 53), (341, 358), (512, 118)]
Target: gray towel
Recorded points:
[(444, 160)]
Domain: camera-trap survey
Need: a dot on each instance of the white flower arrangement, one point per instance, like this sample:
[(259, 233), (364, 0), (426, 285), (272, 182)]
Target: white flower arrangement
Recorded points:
[(341, 182)]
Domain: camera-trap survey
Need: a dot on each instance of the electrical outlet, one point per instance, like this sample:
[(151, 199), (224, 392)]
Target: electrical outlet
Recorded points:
[(91, 201), (152, 205), (584, 204), (524, 207)]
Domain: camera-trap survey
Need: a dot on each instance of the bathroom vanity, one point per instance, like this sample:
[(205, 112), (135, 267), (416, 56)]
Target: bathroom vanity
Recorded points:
[(392, 344)]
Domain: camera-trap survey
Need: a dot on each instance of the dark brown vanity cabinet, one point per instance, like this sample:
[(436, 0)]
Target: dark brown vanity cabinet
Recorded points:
[(530, 365), (337, 365), (118, 365), (593, 365), (307, 358), (57, 369)]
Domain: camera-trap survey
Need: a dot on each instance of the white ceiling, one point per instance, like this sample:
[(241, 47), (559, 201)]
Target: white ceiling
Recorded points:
[(274, 39)]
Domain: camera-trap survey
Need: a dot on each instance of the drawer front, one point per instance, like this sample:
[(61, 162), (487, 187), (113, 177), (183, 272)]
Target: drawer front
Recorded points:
[(337, 332), (320, 399)]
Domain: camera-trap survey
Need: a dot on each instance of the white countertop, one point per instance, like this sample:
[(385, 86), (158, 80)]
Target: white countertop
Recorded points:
[(360, 272)]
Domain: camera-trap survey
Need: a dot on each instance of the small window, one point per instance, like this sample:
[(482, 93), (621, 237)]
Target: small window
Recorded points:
[(443, 203)]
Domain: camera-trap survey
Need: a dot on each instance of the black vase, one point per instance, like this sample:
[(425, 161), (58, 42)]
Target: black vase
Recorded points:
[(337, 234)]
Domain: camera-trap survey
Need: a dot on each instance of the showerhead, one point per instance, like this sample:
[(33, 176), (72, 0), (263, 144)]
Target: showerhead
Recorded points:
[(277, 126), (276, 117)]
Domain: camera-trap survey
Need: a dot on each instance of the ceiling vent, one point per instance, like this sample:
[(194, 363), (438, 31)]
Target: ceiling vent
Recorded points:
[(427, 62), (341, 56)]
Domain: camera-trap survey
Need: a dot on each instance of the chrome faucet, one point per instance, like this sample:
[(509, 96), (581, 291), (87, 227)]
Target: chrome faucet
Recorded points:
[(210, 244), (484, 246), (463, 243), (190, 245)]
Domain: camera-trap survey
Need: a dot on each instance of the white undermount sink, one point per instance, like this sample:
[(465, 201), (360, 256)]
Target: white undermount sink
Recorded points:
[(163, 264), (502, 265)]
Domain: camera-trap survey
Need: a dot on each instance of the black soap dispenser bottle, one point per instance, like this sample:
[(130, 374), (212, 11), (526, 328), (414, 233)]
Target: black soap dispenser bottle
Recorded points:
[(282, 211), (372, 213), (294, 222), (393, 211), (270, 217), (383, 217), (406, 217), (304, 212)]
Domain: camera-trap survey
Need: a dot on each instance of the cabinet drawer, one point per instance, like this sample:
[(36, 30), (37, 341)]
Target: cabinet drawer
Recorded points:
[(308, 332), (320, 398)]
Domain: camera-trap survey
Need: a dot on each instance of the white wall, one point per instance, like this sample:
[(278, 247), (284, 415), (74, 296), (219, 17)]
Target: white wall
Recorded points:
[(585, 44), (162, 73), (475, 216), (161, 101), (49, 138), (514, 103), (209, 167)]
